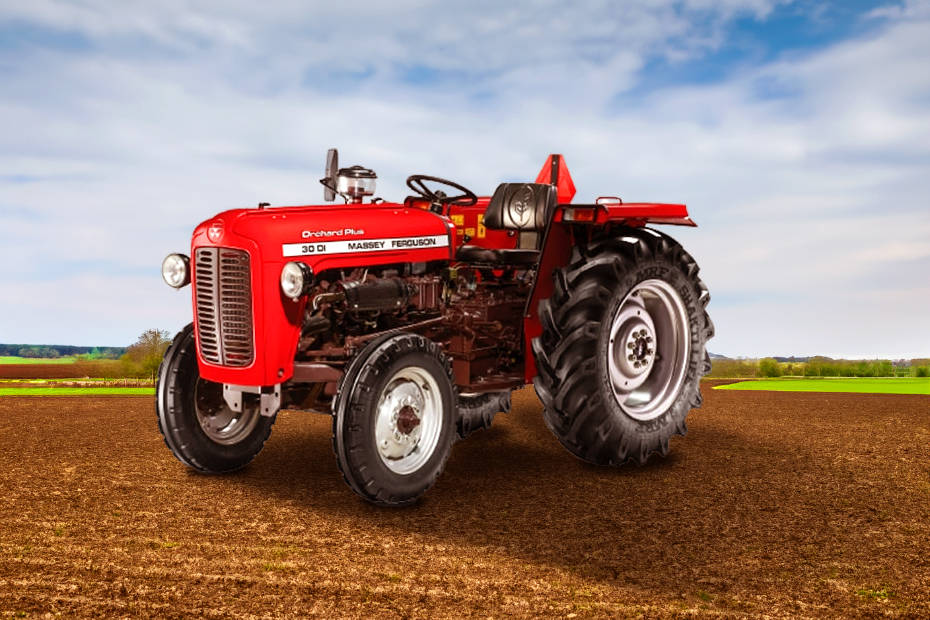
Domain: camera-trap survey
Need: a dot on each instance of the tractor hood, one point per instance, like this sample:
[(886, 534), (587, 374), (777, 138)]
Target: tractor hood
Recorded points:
[(323, 237), (329, 236)]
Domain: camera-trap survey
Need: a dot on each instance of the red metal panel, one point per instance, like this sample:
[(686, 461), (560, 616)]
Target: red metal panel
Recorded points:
[(649, 211), (470, 228), (636, 213), (556, 253), (254, 374), (263, 233), (555, 171)]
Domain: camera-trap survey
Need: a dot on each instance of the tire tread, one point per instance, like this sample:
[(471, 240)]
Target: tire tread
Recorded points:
[(567, 382)]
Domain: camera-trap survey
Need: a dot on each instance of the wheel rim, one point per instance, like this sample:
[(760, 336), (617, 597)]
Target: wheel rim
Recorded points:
[(408, 420), (217, 420), (650, 344)]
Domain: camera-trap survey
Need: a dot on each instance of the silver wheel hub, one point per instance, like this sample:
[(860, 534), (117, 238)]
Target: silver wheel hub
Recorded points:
[(648, 352), (408, 420), (217, 420), (636, 351)]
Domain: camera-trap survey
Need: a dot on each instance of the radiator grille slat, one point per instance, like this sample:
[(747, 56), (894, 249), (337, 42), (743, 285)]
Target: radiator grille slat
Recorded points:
[(223, 292)]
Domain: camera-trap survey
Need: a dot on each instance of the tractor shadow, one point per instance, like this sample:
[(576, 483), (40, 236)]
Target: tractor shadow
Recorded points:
[(513, 489)]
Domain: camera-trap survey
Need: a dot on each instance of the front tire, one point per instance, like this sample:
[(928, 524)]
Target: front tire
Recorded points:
[(198, 426), (394, 420), (622, 350)]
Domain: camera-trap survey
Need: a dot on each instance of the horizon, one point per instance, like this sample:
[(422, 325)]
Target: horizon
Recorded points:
[(798, 134), (713, 354)]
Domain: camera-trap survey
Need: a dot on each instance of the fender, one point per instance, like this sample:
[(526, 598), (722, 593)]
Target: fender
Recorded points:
[(606, 208), (614, 211), (559, 239)]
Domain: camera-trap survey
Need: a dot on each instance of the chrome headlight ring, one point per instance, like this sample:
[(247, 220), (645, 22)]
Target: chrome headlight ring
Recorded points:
[(296, 279), (176, 270)]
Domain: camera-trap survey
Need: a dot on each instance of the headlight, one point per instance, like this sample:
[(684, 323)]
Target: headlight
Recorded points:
[(296, 279), (176, 270)]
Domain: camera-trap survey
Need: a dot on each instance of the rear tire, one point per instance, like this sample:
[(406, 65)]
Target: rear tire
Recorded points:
[(622, 349), (198, 426), (394, 420)]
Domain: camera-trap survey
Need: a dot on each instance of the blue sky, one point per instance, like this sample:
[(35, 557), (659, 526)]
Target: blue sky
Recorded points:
[(797, 132)]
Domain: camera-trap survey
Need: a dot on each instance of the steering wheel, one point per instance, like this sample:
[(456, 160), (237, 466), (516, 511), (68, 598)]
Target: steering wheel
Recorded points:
[(465, 197)]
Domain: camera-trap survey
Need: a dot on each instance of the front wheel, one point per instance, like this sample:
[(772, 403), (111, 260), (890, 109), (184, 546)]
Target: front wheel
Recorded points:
[(623, 347), (198, 426), (394, 420)]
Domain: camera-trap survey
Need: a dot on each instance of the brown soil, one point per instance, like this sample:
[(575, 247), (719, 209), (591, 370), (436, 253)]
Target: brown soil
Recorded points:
[(107, 368), (37, 371), (776, 503)]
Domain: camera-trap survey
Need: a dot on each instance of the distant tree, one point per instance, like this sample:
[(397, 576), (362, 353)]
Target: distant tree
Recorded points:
[(768, 367), (733, 368), (112, 353), (922, 371), (37, 351), (143, 357), (884, 368)]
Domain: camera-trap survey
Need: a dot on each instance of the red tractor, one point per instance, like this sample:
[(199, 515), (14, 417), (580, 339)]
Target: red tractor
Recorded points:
[(410, 324)]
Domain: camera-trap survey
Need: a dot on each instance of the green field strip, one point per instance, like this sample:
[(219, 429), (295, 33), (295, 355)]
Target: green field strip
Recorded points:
[(68, 391), (82, 379), (883, 385)]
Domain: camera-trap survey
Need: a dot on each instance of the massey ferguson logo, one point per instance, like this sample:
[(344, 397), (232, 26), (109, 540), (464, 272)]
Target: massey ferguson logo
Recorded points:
[(215, 232)]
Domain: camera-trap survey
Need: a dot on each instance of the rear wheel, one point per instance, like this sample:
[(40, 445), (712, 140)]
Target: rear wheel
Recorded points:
[(198, 426), (394, 419), (623, 347)]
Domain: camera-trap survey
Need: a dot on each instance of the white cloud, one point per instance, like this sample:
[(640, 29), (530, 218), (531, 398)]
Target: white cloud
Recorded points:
[(808, 175)]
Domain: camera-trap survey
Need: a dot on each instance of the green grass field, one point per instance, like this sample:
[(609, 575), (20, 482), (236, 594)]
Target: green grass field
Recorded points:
[(82, 379), (63, 391), (44, 381), (13, 359), (864, 385)]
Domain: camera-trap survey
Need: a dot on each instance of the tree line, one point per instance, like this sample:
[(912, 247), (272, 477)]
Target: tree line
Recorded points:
[(142, 358), (138, 360), (818, 367), (61, 350)]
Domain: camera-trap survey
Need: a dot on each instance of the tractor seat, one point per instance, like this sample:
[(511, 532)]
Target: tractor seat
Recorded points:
[(490, 256), (522, 207)]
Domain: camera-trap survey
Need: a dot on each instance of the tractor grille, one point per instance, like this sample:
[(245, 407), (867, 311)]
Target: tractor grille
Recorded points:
[(223, 293)]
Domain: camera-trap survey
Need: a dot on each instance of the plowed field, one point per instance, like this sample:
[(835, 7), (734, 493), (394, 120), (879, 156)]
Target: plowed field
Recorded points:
[(776, 503), (105, 368)]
